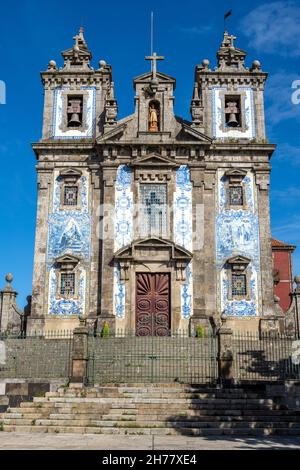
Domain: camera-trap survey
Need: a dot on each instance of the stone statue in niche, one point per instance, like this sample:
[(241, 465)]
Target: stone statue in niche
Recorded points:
[(153, 118)]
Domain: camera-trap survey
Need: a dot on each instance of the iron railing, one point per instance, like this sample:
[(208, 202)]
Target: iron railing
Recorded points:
[(128, 358), (45, 355), (264, 357)]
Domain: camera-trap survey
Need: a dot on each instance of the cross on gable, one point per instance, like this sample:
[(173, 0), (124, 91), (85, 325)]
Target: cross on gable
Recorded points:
[(154, 58)]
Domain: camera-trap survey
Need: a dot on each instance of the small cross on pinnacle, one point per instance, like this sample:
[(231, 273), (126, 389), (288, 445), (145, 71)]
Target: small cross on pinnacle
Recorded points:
[(228, 41), (76, 39), (154, 58)]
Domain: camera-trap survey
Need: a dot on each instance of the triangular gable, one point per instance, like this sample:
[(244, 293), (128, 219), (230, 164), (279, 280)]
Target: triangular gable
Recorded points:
[(115, 131), (191, 131), (177, 252), (147, 77), (154, 159)]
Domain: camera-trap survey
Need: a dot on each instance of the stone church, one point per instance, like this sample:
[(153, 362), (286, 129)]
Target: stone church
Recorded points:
[(153, 223)]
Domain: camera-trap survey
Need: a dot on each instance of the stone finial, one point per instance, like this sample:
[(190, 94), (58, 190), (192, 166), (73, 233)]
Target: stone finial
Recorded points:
[(228, 41), (9, 278), (102, 64), (297, 282), (52, 65), (256, 66), (78, 56), (205, 64), (230, 57)]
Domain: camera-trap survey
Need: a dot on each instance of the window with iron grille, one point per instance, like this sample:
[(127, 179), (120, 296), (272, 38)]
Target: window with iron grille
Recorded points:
[(239, 285), (67, 284), (236, 197), (70, 195), (154, 209)]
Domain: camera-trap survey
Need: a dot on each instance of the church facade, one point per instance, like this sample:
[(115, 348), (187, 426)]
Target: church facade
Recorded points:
[(153, 223)]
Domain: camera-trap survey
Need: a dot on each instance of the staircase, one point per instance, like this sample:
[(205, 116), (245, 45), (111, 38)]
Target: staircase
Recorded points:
[(167, 409)]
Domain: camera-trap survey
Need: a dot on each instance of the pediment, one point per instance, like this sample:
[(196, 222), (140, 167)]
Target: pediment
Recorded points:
[(147, 77), (153, 160), (70, 172), (115, 132), (153, 248), (67, 261), (239, 260), (235, 172), (191, 132)]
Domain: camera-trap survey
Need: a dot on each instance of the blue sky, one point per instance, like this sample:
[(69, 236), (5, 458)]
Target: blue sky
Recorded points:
[(33, 32)]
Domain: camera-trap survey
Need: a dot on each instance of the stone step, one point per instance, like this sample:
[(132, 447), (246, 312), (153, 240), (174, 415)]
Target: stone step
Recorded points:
[(150, 416), (153, 431), (178, 423), (147, 400)]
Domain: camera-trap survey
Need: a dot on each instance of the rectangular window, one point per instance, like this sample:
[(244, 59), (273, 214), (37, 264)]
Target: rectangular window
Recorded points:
[(236, 197), (70, 195), (67, 284), (239, 285), (154, 209)]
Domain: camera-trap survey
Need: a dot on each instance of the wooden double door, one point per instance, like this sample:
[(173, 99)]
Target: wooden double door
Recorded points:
[(152, 304)]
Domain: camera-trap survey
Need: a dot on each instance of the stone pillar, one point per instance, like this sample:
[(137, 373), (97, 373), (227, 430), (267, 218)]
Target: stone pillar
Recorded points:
[(107, 276), (96, 244), (198, 240), (209, 261), (292, 316), (10, 319), (296, 296), (80, 354), (225, 355), (39, 283), (266, 260)]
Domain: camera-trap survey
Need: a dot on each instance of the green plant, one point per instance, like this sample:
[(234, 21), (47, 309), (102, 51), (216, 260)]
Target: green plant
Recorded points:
[(105, 330), (200, 331), (1, 427)]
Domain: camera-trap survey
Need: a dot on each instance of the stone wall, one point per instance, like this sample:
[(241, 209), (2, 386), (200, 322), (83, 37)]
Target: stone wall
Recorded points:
[(15, 391)]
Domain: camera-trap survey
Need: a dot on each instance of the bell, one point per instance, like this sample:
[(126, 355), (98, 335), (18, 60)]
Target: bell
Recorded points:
[(232, 121), (75, 120)]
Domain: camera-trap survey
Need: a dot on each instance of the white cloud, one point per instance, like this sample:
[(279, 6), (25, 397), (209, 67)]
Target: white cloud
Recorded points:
[(288, 153), (289, 231), (278, 94), (289, 195), (274, 28), (195, 30)]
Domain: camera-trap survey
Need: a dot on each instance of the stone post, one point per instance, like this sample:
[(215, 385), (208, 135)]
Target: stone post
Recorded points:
[(107, 274), (10, 320), (80, 354), (225, 356), (296, 295)]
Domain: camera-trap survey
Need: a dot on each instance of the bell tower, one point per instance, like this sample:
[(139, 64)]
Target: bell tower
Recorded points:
[(228, 100), (78, 104), (154, 102)]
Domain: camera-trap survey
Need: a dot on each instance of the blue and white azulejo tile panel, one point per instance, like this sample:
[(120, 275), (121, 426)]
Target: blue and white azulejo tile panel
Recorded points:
[(90, 124), (217, 113), (183, 232), (61, 306), (119, 293), (183, 212), (123, 230), (237, 233), (69, 232), (123, 207), (240, 308)]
